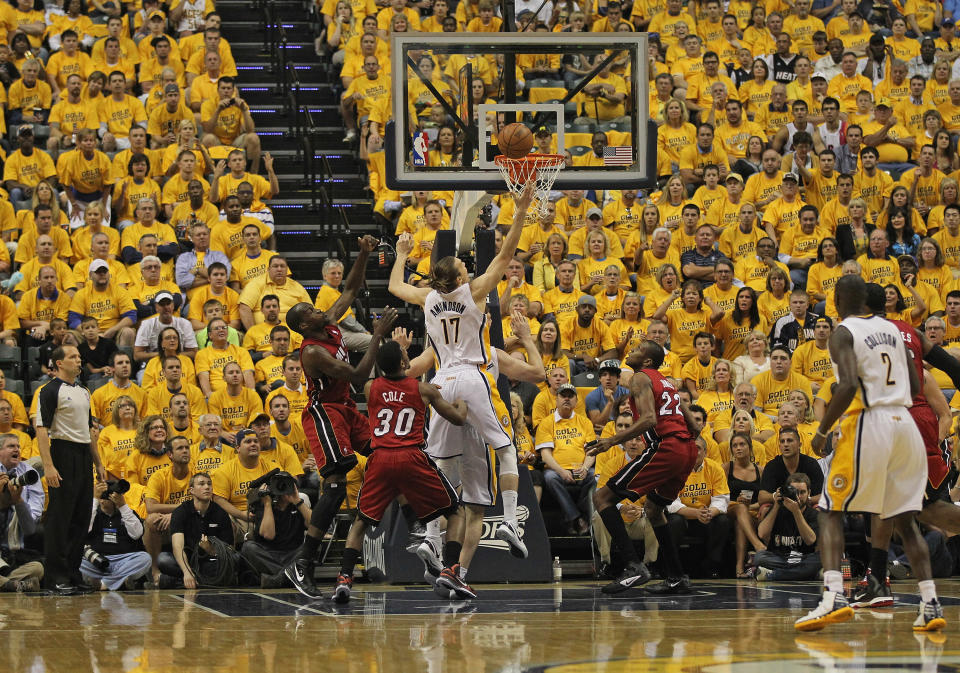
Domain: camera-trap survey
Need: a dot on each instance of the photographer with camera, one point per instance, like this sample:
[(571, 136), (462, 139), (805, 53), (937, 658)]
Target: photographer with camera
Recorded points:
[(166, 489), (790, 532), (280, 520), (21, 504), (231, 481), (201, 535), (114, 557)]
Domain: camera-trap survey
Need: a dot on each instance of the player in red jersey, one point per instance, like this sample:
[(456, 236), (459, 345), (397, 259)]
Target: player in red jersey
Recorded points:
[(333, 425), (659, 472), (932, 415), (397, 407)]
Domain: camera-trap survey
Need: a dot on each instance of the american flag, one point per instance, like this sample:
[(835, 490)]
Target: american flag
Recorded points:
[(618, 156)]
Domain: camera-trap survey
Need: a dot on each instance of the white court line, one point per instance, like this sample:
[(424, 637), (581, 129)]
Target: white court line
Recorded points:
[(202, 607), (295, 605)]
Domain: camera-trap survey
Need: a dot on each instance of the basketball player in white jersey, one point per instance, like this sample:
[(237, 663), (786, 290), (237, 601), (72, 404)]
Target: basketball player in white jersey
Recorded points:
[(455, 316), (879, 462), (531, 371)]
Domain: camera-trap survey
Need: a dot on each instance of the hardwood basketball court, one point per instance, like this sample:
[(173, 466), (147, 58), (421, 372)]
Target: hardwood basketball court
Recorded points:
[(556, 628)]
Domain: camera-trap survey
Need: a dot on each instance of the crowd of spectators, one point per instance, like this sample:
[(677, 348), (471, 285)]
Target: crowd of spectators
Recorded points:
[(796, 142), (136, 227)]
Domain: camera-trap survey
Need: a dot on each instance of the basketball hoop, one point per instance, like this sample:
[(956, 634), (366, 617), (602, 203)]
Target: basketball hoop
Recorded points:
[(541, 169)]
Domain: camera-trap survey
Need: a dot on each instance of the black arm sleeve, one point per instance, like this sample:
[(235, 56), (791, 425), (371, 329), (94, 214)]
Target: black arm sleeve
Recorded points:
[(47, 402), (946, 363), (130, 255), (167, 251)]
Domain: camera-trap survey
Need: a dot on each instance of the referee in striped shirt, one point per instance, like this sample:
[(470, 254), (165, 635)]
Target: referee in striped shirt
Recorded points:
[(69, 457)]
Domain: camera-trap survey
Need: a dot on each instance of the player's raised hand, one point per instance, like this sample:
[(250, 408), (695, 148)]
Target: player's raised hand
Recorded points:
[(385, 323), (519, 324), (526, 198), (405, 244), (402, 337), (368, 243)]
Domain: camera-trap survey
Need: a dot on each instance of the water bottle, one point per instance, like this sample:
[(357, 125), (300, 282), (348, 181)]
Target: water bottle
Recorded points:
[(557, 570)]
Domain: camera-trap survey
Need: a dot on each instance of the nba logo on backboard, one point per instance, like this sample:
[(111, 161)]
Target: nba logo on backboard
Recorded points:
[(420, 145)]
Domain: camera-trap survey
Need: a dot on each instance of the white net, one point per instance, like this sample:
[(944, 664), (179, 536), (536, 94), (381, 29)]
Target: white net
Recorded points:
[(540, 168)]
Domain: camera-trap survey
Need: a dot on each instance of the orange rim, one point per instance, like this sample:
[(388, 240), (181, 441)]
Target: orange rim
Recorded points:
[(525, 168)]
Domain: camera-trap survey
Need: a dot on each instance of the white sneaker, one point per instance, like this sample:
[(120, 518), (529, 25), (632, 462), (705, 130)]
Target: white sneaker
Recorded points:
[(430, 555), (930, 617), (509, 533), (833, 609)]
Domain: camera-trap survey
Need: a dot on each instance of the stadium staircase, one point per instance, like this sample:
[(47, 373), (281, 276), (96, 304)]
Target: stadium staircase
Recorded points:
[(323, 205)]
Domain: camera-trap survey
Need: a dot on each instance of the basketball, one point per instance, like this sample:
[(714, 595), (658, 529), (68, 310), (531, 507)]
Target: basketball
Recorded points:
[(515, 140)]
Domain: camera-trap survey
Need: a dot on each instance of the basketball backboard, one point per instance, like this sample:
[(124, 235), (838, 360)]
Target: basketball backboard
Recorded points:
[(476, 83)]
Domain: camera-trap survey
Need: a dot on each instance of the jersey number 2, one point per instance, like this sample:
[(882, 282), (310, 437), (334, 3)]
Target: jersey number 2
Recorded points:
[(402, 426), (887, 361)]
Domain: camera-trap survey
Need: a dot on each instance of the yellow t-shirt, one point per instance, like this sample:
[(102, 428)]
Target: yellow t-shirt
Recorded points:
[(158, 401), (166, 489), (72, 117), (704, 483), (772, 393), (257, 338), (140, 466), (683, 326), (83, 174), (213, 360), (229, 121), (120, 115), (565, 437), (104, 399), (227, 237), (107, 307), (153, 373), (231, 480), (586, 342), (115, 445), (734, 335), (235, 411)]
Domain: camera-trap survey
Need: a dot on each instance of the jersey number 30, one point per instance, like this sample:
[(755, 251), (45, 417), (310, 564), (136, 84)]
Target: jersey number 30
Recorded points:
[(401, 427)]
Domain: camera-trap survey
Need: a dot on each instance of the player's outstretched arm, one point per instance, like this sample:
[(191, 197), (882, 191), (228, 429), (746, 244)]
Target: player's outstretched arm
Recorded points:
[(318, 362), (421, 364), (354, 279), (642, 393), (482, 285), (841, 352), (398, 288), (940, 359), (456, 413), (530, 370)]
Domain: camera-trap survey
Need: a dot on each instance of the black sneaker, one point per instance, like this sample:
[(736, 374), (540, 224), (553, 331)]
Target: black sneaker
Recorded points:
[(634, 575), (872, 593), (672, 586), (300, 574), (63, 589)]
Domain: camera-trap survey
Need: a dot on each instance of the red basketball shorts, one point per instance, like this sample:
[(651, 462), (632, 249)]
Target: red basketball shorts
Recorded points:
[(659, 473), (334, 432), (408, 472)]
